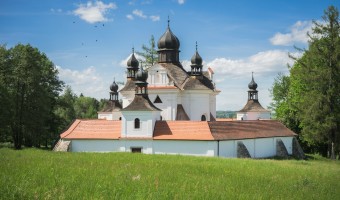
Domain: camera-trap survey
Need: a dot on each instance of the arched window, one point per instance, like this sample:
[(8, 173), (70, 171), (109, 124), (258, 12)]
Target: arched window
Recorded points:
[(137, 123), (203, 118)]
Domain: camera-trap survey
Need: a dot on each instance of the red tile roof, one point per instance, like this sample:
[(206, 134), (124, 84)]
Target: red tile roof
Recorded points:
[(225, 119), (233, 130), (182, 130), (93, 129)]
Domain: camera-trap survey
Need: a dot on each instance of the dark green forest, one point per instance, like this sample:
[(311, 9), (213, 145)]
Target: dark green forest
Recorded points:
[(35, 105)]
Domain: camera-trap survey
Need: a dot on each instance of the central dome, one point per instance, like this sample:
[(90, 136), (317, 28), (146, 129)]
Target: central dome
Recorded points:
[(168, 41)]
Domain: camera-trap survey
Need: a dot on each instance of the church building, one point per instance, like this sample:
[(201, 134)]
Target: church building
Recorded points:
[(168, 110)]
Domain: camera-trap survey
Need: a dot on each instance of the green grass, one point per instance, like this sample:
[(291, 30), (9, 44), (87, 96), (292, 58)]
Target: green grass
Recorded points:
[(38, 174)]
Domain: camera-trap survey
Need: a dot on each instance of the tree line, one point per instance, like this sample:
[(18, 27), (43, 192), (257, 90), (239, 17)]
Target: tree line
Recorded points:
[(308, 99), (34, 109)]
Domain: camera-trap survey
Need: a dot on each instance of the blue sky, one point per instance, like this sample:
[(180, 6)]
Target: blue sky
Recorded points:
[(90, 41)]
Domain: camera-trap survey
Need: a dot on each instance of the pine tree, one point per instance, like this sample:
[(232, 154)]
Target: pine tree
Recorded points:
[(149, 53)]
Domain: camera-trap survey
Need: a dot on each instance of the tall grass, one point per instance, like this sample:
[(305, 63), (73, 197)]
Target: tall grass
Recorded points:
[(38, 174)]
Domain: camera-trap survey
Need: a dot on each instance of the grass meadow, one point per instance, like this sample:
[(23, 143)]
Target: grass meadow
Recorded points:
[(41, 174)]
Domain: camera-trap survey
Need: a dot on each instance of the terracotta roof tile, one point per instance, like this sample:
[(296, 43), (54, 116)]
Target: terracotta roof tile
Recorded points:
[(225, 119), (93, 129), (231, 130), (182, 130)]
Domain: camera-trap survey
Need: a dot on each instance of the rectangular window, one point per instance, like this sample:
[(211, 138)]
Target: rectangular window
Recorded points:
[(136, 149)]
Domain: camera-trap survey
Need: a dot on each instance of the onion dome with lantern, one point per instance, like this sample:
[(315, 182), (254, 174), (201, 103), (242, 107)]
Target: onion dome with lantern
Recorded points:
[(168, 47), (132, 64), (196, 64)]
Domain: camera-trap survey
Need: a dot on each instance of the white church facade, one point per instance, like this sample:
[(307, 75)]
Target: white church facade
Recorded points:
[(168, 110)]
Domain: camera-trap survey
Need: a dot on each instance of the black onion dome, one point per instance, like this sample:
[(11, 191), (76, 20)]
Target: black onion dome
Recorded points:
[(196, 59), (114, 87), (252, 85), (142, 75), (133, 62), (168, 41)]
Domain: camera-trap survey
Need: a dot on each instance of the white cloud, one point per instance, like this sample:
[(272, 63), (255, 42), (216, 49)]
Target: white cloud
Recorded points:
[(139, 13), (297, 34), (94, 12), (233, 75), (180, 2), (262, 63), (130, 17), (186, 64), (123, 63), (155, 17), (88, 81)]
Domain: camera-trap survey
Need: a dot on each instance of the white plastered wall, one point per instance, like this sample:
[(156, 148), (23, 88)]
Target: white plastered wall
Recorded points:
[(257, 148), (93, 145), (106, 115), (147, 123), (169, 102), (196, 104), (253, 115), (183, 147)]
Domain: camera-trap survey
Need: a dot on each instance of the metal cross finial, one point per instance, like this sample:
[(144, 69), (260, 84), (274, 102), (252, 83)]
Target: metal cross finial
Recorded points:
[(168, 21), (196, 45), (133, 50)]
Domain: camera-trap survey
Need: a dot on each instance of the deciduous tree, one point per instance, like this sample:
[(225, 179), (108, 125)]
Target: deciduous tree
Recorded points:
[(312, 98)]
